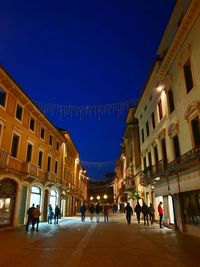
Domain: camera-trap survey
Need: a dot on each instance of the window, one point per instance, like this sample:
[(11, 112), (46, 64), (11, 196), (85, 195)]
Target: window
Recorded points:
[(149, 157), (15, 145), (160, 109), (170, 101), (57, 146), (147, 128), (156, 154), (56, 167), (32, 124), (195, 123), (40, 156), (142, 132), (176, 147), (153, 120), (49, 164), (19, 112), (164, 152), (2, 97), (50, 140), (188, 76), (29, 152), (145, 108), (42, 133), (144, 162)]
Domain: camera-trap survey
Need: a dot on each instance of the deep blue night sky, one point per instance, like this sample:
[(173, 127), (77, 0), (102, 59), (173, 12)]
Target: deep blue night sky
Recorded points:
[(83, 52)]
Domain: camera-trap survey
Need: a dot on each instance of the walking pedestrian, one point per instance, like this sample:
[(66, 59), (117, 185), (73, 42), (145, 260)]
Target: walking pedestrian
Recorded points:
[(145, 212), (160, 212), (151, 213), (91, 210), (56, 214), (138, 210), (82, 211), (36, 217), (129, 211), (105, 212), (50, 212), (30, 217), (98, 210)]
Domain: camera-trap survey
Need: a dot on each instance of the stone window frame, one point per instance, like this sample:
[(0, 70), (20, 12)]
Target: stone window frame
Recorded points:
[(32, 118), (184, 56), (169, 87), (6, 98), (15, 132), (19, 104), (172, 131), (192, 111)]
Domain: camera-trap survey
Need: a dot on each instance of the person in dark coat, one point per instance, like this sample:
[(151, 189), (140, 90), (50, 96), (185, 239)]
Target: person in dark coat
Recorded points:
[(30, 217), (98, 210), (151, 213), (105, 212), (56, 214), (91, 210), (129, 211), (82, 211), (138, 210), (145, 211)]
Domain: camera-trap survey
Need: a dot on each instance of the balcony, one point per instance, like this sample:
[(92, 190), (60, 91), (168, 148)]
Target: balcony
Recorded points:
[(185, 161), (151, 172), (3, 158), (30, 169), (163, 169)]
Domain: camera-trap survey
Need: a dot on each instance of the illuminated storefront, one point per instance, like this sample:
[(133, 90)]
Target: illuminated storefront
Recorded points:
[(7, 201)]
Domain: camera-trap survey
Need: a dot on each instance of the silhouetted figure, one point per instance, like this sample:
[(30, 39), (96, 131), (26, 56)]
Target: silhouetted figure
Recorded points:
[(151, 213), (138, 210), (56, 214), (36, 217), (30, 217), (50, 213), (105, 212), (98, 210), (145, 211), (91, 210), (129, 211), (82, 211)]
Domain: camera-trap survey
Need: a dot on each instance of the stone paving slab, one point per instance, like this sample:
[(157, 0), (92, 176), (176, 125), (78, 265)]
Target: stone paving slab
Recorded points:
[(113, 244)]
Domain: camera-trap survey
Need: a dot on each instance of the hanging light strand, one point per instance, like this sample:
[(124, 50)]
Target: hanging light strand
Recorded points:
[(98, 165), (86, 111)]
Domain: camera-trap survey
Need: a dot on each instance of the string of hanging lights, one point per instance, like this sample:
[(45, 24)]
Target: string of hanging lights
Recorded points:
[(86, 111), (98, 165)]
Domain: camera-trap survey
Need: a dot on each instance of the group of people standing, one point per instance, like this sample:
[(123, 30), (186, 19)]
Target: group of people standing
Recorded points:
[(148, 213), (53, 215), (34, 213), (33, 217), (95, 210)]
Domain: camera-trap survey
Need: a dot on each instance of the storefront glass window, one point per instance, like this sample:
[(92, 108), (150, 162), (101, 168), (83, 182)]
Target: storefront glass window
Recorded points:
[(191, 205)]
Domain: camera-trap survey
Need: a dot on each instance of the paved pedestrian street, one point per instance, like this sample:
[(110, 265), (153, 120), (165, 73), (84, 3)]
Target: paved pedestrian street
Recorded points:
[(114, 244)]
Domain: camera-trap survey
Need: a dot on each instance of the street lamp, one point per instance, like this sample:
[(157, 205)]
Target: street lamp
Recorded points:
[(105, 196), (98, 197), (91, 198)]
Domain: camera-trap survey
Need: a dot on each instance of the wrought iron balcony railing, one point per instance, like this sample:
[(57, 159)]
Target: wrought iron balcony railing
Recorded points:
[(185, 161)]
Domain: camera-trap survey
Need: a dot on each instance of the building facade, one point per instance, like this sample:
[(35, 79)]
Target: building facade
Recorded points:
[(34, 159), (169, 122)]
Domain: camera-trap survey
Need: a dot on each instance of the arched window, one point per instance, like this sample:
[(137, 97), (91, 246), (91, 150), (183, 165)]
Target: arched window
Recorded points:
[(35, 195)]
